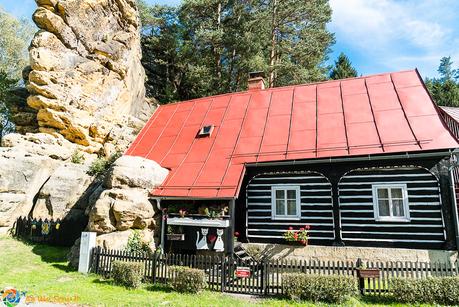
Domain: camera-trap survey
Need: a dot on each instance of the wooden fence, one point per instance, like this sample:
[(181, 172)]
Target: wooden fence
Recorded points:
[(266, 276), (53, 232)]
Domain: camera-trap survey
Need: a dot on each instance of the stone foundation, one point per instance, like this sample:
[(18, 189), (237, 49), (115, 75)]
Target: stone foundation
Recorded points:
[(348, 253)]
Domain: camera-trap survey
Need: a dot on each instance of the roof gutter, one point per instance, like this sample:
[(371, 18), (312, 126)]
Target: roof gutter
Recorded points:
[(406, 155), (190, 198)]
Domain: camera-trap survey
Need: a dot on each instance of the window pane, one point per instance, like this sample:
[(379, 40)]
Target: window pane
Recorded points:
[(397, 193), (383, 207), (280, 194), (280, 207), (291, 194), (383, 193), (291, 207), (397, 208)]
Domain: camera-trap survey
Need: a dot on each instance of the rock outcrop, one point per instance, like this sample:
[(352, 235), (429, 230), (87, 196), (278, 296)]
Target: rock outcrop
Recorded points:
[(87, 82), (125, 204), (122, 206), (87, 97), (37, 177)]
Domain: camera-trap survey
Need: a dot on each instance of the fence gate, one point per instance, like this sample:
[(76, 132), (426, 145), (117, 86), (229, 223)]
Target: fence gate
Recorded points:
[(248, 277)]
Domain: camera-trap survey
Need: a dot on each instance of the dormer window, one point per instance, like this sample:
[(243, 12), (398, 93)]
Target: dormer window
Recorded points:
[(206, 131)]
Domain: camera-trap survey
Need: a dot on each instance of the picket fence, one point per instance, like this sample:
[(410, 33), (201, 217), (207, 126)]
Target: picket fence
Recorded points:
[(265, 277), (53, 232)]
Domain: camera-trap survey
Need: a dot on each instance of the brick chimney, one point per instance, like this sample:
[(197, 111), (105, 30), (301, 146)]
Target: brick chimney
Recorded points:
[(256, 80)]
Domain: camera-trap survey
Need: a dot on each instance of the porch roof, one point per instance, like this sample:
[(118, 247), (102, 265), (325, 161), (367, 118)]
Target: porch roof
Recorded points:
[(378, 114)]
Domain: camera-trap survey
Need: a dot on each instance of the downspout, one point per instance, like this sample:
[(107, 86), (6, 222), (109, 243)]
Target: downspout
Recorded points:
[(163, 224), (454, 205)]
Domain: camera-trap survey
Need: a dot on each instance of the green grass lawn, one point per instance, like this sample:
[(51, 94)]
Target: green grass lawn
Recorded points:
[(42, 271)]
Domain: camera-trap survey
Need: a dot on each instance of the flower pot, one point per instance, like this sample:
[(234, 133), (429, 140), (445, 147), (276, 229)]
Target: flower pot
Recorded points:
[(368, 273)]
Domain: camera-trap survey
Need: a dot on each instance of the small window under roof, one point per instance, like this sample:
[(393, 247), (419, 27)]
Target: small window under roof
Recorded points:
[(206, 131)]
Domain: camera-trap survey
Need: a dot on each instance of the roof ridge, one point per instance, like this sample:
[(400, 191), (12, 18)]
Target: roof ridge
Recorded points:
[(290, 86)]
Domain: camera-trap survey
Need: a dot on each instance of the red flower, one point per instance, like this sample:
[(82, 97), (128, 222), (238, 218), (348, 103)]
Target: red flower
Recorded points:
[(301, 229), (307, 227), (212, 238), (290, 228), (295, 235), (236, 234)]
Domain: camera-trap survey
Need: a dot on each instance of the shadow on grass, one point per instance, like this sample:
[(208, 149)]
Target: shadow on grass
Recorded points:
[(64, 267), (381, 300), (50, 254), (100, 281), (159, 287)]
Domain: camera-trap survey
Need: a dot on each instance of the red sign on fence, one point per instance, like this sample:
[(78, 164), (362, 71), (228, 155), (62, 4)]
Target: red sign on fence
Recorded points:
[(242, 272)]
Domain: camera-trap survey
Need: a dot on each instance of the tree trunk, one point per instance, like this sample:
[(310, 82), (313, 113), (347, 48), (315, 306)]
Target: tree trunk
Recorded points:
[(218, 64), (273, 55)]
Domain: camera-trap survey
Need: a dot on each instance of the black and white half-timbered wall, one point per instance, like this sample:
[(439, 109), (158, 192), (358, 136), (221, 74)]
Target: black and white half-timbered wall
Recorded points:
[(399, 202)]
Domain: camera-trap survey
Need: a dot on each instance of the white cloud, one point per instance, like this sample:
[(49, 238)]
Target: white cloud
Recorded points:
[(398, 34)]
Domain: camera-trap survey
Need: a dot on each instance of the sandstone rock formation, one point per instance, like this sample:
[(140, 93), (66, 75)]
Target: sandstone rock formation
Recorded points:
[(36, 167), (87, 82), (124, 204), (121, 205), (86, 88)]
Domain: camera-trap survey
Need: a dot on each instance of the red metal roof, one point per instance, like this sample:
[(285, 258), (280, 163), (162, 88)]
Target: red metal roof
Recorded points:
[(377, 114)]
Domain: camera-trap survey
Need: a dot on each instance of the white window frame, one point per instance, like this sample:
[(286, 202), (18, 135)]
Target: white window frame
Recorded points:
[(406, 209), (275, 188)]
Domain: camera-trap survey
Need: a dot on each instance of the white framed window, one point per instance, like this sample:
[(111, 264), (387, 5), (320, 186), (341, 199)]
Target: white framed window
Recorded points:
[(390, 202), (285, 202)]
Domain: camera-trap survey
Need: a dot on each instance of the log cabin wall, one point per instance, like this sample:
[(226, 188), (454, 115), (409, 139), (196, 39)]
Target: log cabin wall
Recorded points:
[(424, 227), (316, 207), (351, 213)]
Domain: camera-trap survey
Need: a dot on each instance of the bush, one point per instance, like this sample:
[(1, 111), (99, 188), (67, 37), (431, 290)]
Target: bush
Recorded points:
[(440, 290), (128, 274), (136, 244), (100, 165), (188, 279), (324, 288), (77, 157)]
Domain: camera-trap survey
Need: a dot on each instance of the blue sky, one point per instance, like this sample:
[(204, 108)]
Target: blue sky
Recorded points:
[(377, 35)]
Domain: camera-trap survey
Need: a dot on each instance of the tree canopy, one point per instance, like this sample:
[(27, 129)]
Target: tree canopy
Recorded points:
[(343, 68), (14, 39), (445, 89), (205, 47)]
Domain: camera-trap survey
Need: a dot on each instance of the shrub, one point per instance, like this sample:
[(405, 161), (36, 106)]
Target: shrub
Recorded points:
[(136, 244), (440, 290), (188, 279), (100, 165), (324, 288), (128, 274), (77, 157)]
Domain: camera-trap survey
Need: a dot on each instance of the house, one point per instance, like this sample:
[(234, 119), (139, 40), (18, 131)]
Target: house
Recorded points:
[(363, 162)]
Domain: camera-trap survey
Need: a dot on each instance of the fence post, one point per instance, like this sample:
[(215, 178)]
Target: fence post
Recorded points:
[(359, 264), (97, 259), (223, 265), (87, 243)]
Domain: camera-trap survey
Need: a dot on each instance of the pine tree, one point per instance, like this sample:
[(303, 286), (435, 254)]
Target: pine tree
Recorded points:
[(205, 47), (343, 68), (445, 90), (297, 39)]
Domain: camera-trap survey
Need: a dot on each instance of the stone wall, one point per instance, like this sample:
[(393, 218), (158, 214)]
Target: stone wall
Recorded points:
[(348, 253)]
